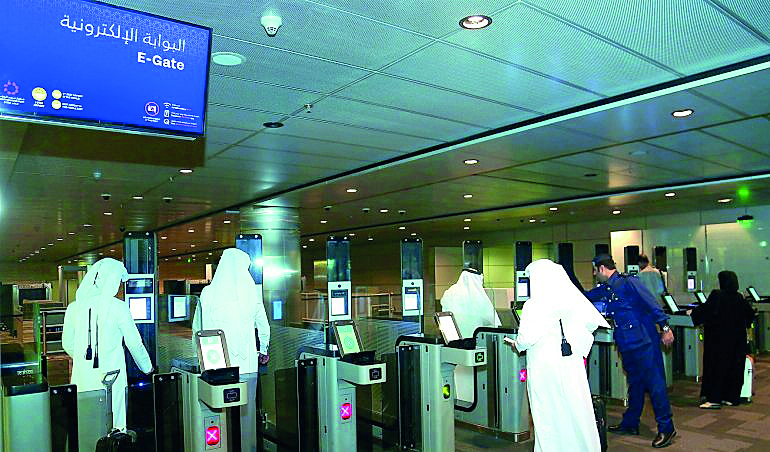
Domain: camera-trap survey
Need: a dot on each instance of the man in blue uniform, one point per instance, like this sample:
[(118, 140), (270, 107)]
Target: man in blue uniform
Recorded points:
[(635, 312)]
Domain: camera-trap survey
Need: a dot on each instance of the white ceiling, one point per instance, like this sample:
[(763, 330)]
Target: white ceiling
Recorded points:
[(550, 92)]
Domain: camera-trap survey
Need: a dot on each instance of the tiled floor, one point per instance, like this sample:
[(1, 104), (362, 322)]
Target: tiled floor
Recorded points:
[(741, 428)]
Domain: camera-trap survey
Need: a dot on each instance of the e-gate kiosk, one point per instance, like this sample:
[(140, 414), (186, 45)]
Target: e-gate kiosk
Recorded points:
[(523, 258), (687, 350), (762, 323), (412, 280), (690, 269), (631, 259), (426, 384), (327, 374)]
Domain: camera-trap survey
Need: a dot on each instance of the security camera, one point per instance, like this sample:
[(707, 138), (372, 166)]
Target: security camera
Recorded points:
[(271, 24), (365, 210), (402, 212), (327, 208), (167, 198), (106, 196), (308, 108), (122, 228)]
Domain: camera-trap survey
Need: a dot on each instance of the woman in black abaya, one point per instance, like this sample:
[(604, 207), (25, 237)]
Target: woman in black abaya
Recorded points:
[(725, 316)]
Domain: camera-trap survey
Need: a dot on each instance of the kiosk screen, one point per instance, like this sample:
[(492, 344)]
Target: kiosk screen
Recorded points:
[(671, 303), (754, 294), (447, 326), (522, 286), (212, 353), (339, 302), (690, 283), (177, 308), (411, 299), (140, 307), (347, 339)]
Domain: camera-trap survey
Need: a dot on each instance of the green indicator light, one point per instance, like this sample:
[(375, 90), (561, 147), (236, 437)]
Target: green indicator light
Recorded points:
[(446, 391), (479, 357), (744, 193), (763, 243)]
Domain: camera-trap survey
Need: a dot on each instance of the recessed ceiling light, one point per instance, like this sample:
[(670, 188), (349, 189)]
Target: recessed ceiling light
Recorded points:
[(192, 245), (108, 213), (470, 161), (168, 198), (670, 194), (87, 225), (638, 152), (173, 249), (304, 246), (226, 222), (467, 219), (112, 251), (186, 170), (352, 234), (402, 228), (273, 125), (384, 211), (215, 241), (413, 233), (532, 220), (227, 58), (163, 237), (311, 240), (467, 195), (466, 227), (59, 239), (616, 212), (211, 254), (683, 113), (50, 244), (101, 254), (71, 233), (370, 238), (724, 200), (42, 247), (324, 221), (137, 197), (351, 190), (475, 22), (191, 230), (553, 209)]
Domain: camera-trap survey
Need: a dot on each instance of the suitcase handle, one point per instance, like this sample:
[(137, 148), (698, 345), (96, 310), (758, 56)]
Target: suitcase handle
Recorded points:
[(109, 378)]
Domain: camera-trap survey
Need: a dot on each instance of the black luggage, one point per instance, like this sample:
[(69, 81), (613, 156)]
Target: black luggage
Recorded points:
[(115, 440), (600, 413)]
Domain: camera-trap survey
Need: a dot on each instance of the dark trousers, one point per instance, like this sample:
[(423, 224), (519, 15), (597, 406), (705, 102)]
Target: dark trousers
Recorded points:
[(644, 366)]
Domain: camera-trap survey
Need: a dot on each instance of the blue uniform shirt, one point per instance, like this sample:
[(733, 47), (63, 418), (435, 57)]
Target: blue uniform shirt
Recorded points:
[(633, 308)]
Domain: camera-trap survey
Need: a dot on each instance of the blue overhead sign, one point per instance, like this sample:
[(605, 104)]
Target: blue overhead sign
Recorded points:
[(90, 63)]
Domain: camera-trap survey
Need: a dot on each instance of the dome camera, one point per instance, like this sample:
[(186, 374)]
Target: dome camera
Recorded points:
[(122, 228), (167, 199), (327, 208), (402, 212), (272, 24), (106, 196), (365, 210)]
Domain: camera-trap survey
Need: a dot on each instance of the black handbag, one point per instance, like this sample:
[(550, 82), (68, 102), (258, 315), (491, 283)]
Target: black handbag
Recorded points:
[(566, 349)]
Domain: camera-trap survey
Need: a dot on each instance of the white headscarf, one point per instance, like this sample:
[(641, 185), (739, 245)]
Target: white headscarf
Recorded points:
[(470, 304), (556, 297), (230, 303), (102, 279)]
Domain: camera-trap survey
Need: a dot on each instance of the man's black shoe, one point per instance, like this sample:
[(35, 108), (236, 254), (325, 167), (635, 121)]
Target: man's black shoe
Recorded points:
[(623, 430), (663, 439)]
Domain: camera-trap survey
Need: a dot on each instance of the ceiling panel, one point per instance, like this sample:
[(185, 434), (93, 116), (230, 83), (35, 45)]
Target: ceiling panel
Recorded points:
[(434, 101), (643, 153), (705, 37), (290, 158), (741, 93), (537, 144), (238, 118), (432, 17), (224, 135), (270, 139), (361, 114), (545, 44), (697, 168), (695, 143), (271, 172), (246, 94), (752, 12), (650, 118), (283, 68), (310, 128), (454, 68), (752, 133)]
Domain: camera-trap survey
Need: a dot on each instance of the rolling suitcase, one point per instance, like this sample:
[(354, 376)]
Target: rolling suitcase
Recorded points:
[(748, 380), (600, 413), (115, 440)]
